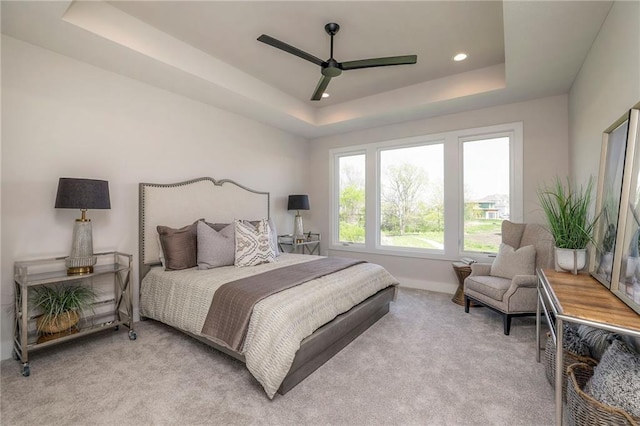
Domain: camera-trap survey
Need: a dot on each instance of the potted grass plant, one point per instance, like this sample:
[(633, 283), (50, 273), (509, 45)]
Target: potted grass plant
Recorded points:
[(60, 307), (566, 208)]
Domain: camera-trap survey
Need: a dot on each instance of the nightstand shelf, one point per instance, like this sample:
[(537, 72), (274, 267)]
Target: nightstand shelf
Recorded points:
[(114, 307), (308, 244)]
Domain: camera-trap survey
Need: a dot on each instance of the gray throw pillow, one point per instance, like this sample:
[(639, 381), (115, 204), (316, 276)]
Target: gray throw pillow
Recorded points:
[(179, 246), (597, 340), (616, 379), (215, 248), (510, 262)]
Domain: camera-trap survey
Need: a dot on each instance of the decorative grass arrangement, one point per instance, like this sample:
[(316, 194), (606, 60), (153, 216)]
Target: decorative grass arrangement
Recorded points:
[(567, 211), (61, 306)]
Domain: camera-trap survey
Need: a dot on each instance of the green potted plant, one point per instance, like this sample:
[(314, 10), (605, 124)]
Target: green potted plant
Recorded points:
[(567, 211), (61, 306)]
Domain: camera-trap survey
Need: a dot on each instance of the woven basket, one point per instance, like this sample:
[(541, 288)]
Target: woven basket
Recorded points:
[(59, 323), (568, 358), (583, 409)]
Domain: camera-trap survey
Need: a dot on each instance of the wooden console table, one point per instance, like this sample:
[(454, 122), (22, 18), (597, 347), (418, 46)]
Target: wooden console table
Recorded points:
[(583, 300)]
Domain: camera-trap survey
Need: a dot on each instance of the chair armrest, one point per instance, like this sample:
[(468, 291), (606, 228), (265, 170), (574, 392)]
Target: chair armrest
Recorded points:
[(524, 281), (480, 269), (521, 293)]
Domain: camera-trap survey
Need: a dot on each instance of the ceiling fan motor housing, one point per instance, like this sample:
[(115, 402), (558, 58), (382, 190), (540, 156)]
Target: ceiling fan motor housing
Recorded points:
[(332, 69)]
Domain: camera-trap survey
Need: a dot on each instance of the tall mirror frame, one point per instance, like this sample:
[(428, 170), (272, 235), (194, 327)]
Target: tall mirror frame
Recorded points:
[(625, 279), (609, 191)]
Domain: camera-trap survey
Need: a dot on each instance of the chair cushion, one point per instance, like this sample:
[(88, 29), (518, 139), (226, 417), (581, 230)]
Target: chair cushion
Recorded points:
[(510, 262), (493, 287)]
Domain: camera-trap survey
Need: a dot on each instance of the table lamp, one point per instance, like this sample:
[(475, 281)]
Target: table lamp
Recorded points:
[(82, 194), (298, 202)]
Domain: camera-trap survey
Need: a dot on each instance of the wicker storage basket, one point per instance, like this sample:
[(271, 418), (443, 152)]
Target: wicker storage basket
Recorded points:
[(583, 409), (59, 323), (568, 358)]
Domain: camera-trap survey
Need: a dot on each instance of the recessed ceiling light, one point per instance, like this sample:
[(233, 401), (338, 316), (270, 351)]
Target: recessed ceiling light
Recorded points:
[(325, 95), (460, 57)]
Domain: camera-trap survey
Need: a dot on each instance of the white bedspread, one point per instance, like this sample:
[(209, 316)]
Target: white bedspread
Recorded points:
[(278, 323)]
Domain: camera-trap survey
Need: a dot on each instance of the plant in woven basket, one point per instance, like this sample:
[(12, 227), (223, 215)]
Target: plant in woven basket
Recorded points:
[(61, 306)]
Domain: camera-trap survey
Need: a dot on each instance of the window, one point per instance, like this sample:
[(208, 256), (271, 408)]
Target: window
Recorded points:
[(439, 196), (412, 197), (351, 190), (486, 192)]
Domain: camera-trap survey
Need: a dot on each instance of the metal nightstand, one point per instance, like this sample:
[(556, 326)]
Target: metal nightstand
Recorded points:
[(308, 244)]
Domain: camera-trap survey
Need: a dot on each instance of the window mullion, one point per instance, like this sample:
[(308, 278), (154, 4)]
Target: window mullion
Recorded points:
[(372, 177)]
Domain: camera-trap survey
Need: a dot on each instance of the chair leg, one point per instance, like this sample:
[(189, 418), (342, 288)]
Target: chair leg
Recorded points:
[(467, 303), (506, 320)]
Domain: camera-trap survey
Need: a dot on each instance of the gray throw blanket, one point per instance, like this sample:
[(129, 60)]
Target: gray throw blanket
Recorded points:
[(232, 305)]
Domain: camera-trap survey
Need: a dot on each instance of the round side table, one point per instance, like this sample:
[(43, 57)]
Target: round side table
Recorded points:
[(462, 271)]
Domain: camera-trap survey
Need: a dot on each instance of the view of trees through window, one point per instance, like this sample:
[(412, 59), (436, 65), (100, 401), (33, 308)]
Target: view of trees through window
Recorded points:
[(412, 197), (352, 199), (486, 192), (402, 182)]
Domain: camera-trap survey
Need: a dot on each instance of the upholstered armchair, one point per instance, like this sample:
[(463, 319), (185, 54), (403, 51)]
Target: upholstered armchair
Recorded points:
[(508, 286)]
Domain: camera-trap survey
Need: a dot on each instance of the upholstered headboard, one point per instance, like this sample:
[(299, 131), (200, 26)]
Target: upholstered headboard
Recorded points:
[(179, 204)]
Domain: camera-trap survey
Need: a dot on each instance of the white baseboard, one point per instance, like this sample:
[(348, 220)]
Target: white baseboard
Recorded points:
[(440, 287)]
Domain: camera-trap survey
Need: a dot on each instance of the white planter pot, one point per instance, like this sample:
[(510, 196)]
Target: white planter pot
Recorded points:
[(632, 264), (606, 264), (571, 260)]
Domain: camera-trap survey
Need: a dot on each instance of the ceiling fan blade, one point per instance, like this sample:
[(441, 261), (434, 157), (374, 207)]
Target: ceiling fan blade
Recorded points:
[(379, 62), (320, 88), (289, 49)]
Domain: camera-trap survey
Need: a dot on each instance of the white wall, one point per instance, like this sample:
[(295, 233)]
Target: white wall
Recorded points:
[(61, 117), (606, 87), (546, 154)]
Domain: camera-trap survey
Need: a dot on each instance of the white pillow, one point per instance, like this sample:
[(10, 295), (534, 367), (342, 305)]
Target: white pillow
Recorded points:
[(510, 262), (253, 245)]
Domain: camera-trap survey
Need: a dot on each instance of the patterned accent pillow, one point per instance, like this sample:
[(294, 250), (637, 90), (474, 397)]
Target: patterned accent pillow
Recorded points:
[(597, 339), (616, 379), (215, 248), (273, 233), (510, 262), (572, 341), (253, 246)]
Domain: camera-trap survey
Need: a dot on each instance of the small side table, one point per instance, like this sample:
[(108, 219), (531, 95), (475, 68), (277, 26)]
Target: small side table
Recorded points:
[(462, 271), (309, 244)]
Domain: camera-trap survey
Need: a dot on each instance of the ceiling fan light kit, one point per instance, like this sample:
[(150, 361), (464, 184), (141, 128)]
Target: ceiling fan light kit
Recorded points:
[(332, 68)]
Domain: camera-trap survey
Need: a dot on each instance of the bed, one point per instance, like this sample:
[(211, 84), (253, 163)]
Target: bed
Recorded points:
[(291, 332)]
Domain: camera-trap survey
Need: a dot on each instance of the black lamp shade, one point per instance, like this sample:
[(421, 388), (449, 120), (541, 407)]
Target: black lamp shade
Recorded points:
[(84, 194), (298, 202)]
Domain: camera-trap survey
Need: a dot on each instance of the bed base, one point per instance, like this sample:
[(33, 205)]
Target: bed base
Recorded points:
[(332, 337), (326, 341)]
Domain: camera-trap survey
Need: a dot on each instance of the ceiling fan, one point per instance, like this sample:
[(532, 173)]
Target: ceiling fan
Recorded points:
[(332, 68)]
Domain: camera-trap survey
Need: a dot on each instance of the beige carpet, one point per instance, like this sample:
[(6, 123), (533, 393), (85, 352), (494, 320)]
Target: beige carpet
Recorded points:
[(426, 362)]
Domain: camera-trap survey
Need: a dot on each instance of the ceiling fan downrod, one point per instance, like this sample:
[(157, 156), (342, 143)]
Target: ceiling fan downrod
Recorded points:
[(332, 29)]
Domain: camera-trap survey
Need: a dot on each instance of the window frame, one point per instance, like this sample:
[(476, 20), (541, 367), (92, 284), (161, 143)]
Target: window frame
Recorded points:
[(334, 197), (400, 145), (453, 189)]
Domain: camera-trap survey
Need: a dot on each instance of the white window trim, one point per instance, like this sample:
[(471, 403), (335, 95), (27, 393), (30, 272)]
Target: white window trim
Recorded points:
[(453, 189)]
